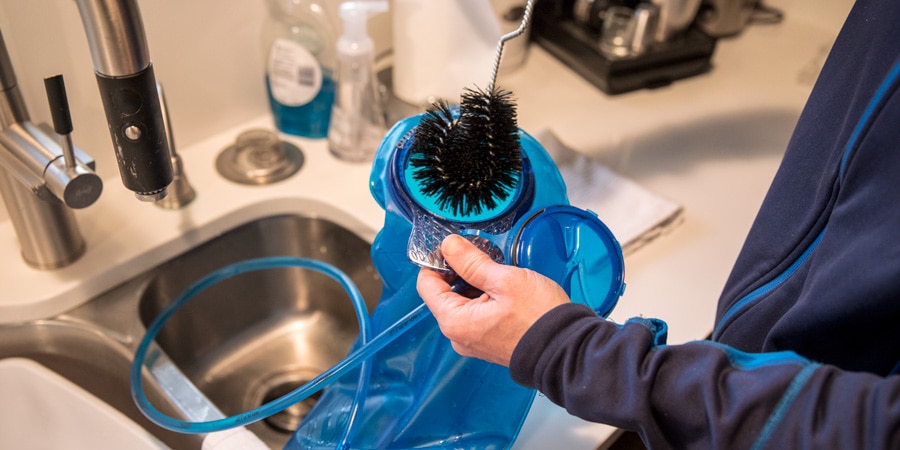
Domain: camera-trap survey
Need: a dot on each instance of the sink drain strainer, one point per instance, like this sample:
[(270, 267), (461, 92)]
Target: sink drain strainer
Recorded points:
[(278, 385), (259, 157)]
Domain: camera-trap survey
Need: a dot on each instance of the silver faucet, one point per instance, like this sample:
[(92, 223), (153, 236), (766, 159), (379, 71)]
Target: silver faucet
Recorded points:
[(43, 177), (127, 84)]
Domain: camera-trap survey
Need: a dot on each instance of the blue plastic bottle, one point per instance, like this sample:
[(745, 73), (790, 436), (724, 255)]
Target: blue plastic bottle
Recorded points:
[(299, 38)]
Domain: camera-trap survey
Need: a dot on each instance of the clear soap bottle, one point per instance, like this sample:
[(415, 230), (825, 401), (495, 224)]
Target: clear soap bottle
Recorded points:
[(299, 47), (357, 116)]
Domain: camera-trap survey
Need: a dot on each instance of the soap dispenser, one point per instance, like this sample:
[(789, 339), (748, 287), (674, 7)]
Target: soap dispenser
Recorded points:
[(357, 115), (299, 47)]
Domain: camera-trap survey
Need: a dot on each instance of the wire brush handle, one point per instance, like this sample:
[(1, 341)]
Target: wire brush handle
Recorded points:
[(526, 20)]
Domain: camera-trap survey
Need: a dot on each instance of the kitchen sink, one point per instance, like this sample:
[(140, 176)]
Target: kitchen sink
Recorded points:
[(259, 335), (242, 342)]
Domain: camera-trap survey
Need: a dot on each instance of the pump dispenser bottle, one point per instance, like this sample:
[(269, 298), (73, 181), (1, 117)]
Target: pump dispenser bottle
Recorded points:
[(299, 47), (357, 116)]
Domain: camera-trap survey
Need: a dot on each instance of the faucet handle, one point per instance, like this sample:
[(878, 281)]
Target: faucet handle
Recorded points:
[(34, 157), (62, 118), (59, 104)]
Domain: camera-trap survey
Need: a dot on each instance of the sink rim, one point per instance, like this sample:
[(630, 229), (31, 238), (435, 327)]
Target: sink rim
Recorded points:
[(117, 258)]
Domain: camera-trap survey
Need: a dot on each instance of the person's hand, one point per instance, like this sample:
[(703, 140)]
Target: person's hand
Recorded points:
[(488, 327)]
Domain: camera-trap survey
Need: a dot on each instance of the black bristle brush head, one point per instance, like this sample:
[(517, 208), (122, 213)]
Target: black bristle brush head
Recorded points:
[(472, 163)]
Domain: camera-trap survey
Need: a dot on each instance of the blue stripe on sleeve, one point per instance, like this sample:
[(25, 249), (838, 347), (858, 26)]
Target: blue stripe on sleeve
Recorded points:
[(749, 361), (783, 406)]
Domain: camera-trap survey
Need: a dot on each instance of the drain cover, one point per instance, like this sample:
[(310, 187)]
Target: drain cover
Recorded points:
[(288, 420), (277, 385), (259, 157)]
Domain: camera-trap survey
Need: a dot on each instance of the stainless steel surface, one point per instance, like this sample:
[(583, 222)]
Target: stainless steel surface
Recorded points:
[(722, 18), (240, 342), (78, 187), (48, 234), (498, 53), (259, 157), (132, 132), (509, 16), (47, 231), (152, 197), (581, 12), (115, 34), (119, 50), (250, 338), (49, 237), (674, 17), (180, 192), (93, 359), (12, 105), (68, 151), (193, 404), (646, 19)]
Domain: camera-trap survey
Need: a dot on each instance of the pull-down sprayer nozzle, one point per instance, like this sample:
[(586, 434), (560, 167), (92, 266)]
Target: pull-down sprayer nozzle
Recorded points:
[(127, 85)]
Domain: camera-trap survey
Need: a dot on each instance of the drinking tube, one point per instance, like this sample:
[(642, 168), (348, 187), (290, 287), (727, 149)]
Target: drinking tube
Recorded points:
[(367, 348)]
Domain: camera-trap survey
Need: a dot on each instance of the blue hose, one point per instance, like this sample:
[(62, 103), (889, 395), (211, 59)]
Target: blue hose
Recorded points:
[(357, 357)]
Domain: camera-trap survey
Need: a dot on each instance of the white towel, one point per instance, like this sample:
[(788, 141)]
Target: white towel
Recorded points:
[(634, 214)]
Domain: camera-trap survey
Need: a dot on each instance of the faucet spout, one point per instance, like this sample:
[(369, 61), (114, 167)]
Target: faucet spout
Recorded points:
[(42, 180), (127, 83)]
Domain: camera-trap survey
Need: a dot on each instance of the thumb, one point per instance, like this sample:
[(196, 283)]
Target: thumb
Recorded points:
[(470, 263)]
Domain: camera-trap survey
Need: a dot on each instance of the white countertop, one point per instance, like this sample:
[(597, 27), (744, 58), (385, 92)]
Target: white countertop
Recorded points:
[(711, 143)]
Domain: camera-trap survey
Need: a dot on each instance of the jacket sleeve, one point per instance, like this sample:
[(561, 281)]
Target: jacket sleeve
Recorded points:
[(701, 395)]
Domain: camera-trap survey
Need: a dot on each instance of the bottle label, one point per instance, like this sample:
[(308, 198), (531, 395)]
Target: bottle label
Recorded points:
[(295, 75)]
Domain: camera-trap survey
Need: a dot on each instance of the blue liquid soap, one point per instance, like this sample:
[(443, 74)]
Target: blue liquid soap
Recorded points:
[(310, 120)]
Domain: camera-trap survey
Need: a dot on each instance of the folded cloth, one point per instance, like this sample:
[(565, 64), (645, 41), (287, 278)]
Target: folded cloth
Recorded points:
[(634, 214)]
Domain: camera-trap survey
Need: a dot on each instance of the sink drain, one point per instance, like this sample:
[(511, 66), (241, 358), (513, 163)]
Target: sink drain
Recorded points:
[(259, 157), (288, 420)]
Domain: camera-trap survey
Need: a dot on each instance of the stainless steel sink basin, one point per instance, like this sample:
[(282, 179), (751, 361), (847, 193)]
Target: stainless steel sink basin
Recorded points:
[(256, 336), (243, 342)]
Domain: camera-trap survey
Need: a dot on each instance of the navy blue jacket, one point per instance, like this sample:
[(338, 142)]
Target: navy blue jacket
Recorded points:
[(806, 347)]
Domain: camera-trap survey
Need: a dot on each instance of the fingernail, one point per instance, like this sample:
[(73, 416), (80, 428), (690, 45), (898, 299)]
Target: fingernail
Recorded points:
[(452, 244)]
